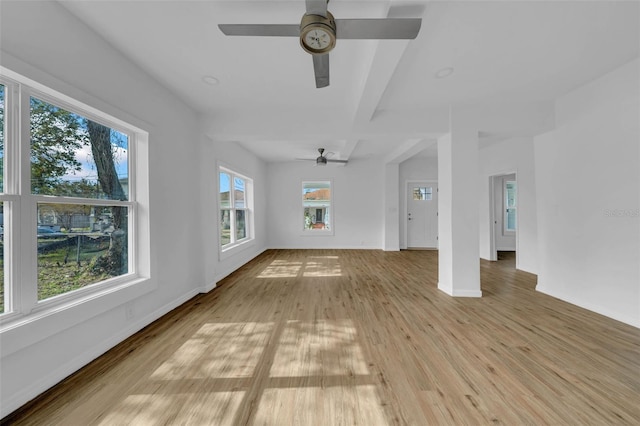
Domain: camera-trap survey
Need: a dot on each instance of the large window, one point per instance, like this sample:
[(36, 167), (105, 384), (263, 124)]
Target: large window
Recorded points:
[(316, 207), (2, 126), (234, 198), (67, 199)]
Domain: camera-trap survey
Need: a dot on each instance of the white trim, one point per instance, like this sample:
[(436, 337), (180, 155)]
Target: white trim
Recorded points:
[(30, 320), (493, 250), (33, 328), (224, 252), (550, 291), (319, 232), (405, 244), (459, 293), (16, 400)]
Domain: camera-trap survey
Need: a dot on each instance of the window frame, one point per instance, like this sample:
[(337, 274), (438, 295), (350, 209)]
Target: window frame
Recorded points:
[(506, 231), (22, 306), (318, 232), (248, 209)]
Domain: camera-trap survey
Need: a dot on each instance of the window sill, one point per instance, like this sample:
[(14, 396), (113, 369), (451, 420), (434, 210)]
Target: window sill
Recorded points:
[(317, 233), (20, 331), (230, 251)]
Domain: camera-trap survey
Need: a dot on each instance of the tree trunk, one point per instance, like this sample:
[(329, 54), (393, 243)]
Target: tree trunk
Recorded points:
[(114, 261)]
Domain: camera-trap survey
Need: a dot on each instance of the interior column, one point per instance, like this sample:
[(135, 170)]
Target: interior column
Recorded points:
[(391, 207), (458, 215)]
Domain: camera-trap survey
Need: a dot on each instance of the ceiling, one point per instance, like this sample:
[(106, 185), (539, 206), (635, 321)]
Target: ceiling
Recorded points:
[(385, 97)]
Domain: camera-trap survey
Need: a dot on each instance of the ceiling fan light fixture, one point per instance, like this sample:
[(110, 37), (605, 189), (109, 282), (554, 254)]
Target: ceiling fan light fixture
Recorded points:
[(318, 33)]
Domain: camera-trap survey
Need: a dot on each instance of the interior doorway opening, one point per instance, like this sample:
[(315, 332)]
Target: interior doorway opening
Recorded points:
[(504, 217)]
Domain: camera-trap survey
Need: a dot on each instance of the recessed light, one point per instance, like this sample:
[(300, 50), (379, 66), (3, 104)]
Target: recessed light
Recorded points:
[(444, 72), (211, 80)]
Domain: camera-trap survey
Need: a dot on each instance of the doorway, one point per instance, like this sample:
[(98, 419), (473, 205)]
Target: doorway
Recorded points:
[(504, 208), (422, 215)]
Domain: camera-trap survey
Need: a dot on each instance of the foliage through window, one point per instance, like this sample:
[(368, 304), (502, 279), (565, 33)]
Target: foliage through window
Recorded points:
[(234, 195), (77, 194), (2, 126), (316, 206)]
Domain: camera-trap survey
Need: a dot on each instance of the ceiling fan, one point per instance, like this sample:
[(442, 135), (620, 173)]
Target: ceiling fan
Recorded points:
[(322, 160), (318, 31)]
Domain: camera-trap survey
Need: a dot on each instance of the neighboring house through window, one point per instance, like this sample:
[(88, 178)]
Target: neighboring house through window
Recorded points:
[(317, 214), (68, 198), (235, 200)]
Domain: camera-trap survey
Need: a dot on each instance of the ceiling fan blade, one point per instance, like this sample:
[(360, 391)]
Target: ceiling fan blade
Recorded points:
[(389, 28), (268, 30), (316, 7), (321, 69), (337, 161)]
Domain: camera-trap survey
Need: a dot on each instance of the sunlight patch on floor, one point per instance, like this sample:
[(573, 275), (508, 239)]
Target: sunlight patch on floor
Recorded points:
[(219, 350), (195, 409), (322, 348), (316, 266), (281, 269), (357, 405), (322, 266)]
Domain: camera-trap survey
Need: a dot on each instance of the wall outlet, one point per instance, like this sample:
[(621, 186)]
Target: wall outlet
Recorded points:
[(128, 310)]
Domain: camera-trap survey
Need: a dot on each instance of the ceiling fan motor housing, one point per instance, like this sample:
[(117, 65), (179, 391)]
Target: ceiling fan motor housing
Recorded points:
[(325, 25)]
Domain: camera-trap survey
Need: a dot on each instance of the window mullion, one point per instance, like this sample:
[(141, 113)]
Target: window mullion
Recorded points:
[(26, 280), (232, 210)]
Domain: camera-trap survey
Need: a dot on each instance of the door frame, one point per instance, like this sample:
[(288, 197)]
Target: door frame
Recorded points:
[(493, 251), (406, 205)]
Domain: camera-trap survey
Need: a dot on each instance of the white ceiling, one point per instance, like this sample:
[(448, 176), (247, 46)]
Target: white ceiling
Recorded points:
[(506, 56)]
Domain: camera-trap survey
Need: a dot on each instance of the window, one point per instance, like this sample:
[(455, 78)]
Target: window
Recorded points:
[(67, 217), (2, 126), (510, 206), (423, 193), (234, 197), (316, 207)]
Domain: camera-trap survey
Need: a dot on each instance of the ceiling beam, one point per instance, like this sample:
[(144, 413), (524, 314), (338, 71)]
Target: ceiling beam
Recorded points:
[(408, 149)]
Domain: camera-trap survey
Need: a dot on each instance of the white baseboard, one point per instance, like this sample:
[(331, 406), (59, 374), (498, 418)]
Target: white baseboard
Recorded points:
[(634, 322), (25, 395), (459, 293)]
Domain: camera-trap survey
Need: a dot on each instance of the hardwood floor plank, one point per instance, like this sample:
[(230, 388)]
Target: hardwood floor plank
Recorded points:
[(362, 337)]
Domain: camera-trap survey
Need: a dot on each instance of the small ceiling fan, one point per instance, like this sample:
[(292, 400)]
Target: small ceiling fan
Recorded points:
[(322, 160), (318, 31)]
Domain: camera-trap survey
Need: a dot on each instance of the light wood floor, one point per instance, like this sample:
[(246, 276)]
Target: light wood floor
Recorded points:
[(322, 337)]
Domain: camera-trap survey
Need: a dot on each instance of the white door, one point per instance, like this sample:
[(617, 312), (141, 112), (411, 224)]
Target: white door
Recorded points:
[(422, 215)]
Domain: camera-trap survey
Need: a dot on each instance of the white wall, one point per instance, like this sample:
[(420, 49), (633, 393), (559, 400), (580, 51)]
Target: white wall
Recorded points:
[(234, 157), (358, 204), (42, 41), (414, 169), (512, 155), (588, 186)]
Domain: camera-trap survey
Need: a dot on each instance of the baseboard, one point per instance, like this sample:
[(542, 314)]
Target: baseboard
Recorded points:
[(467, 293), (459, 293), (236, 265), (18, 399), (634, 322)]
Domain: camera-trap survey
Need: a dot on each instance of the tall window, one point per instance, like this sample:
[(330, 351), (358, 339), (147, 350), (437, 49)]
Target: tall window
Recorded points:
[(2, 126), (82, 227), (510, 205), (234, 197), (70, 216), (316, 207)]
